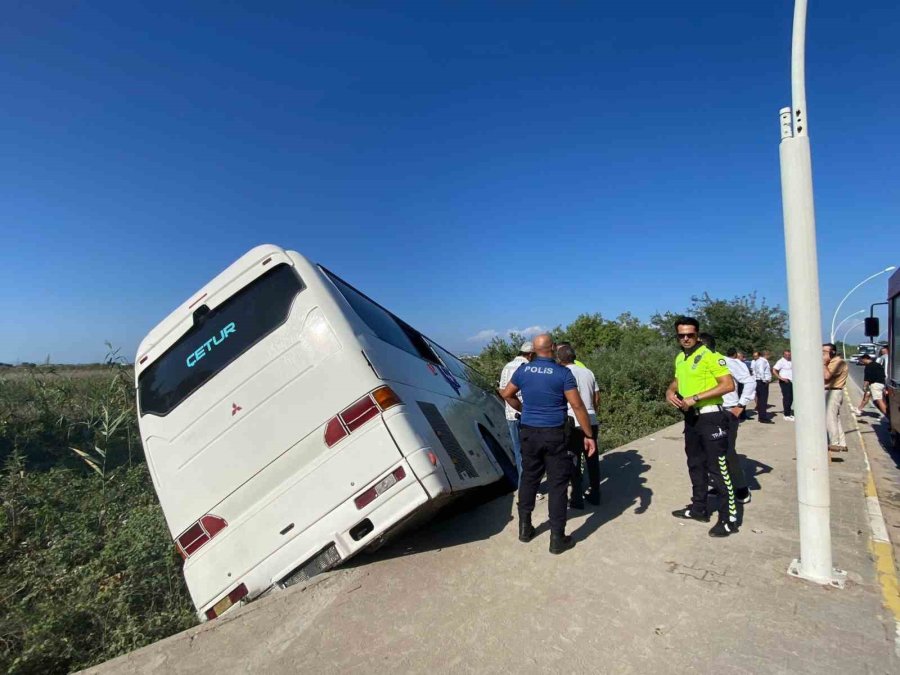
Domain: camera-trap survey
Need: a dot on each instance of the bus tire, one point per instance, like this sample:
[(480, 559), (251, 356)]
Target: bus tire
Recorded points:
[(510, 474)]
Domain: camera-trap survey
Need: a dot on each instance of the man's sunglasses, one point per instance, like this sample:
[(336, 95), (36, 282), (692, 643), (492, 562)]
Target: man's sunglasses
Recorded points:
[(685, 336)]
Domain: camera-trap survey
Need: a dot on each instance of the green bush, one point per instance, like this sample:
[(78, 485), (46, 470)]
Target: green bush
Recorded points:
[(633, 378), (633, 363), (88, 569), (87, 564)]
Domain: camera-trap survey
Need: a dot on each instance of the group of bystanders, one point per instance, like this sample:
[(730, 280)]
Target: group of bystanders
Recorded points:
[(551, 408)]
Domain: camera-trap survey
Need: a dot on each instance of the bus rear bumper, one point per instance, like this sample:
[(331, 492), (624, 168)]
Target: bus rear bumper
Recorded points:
[(345, 531), (423, 461)]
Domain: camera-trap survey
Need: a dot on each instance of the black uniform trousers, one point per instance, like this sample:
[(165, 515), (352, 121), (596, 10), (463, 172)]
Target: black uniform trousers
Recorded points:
[(762, 400), (787, 394), (576, 444), (735, 469), (706, 447), (544, 449)]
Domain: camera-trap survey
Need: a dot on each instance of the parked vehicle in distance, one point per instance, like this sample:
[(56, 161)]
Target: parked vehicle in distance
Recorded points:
[(869, 348), (289, 422)]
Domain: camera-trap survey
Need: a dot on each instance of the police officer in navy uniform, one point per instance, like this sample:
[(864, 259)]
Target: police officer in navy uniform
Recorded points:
[(546, 389)]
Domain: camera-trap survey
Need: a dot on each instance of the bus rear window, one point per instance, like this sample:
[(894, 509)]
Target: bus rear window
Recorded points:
[(218, 337)]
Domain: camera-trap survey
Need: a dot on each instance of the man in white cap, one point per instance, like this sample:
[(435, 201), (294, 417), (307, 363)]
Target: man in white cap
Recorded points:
[(526, 354)]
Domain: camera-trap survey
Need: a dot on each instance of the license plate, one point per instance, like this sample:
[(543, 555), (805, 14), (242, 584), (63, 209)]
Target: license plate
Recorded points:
[(323, 561)]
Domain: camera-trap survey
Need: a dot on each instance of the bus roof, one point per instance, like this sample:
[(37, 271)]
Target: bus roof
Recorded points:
[(184, 311)]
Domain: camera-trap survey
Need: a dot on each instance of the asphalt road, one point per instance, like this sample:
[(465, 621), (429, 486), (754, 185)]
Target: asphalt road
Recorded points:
[(856, 374)]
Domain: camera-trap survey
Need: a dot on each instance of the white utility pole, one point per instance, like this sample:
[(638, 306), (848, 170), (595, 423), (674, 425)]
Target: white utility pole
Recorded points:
[(813, 490)]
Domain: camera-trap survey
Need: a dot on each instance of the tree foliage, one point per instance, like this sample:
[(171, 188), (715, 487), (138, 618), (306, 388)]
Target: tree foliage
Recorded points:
[(633, 360), (743, 322)]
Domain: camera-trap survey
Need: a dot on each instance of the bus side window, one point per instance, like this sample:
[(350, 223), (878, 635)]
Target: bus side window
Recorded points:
[(421, 344), (452, 364), (384, 324)]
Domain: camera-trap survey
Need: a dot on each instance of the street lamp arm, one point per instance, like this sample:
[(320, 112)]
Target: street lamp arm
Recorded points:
[(834, 318), (854, 326), (844, 341), (847, 318)]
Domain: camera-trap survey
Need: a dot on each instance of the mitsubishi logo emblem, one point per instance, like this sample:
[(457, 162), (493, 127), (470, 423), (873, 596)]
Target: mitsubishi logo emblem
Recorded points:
[(235, 409)]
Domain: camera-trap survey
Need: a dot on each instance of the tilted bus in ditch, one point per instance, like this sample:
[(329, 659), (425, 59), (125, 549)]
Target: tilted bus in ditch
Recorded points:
[(289, 422)]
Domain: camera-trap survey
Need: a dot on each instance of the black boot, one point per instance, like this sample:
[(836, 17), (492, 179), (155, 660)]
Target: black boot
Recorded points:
[(526, 530), (560, 542)]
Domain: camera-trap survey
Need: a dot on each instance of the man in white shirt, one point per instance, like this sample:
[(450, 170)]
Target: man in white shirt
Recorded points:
[(735, 403), (784, 371), (883, 359), (762, 372), (526, 353), (590, 394)]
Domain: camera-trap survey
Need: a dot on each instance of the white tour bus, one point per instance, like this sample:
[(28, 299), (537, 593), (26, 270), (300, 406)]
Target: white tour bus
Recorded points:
[(289, 422)]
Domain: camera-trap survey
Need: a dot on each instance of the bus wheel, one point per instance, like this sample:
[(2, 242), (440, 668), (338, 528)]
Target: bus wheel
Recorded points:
[(510, 474)]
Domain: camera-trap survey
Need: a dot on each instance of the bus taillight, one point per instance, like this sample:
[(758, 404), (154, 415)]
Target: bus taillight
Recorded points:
[(380, 488), (354, 416), (386, 398), (198, 534), (225, 603), (359, 413), (334, 431)]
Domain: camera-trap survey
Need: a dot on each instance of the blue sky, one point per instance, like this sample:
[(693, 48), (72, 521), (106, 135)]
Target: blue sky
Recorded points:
[(475, 167)]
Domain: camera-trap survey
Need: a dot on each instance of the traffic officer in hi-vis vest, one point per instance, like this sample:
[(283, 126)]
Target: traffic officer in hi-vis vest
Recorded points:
[(701, 379), (546, 388)]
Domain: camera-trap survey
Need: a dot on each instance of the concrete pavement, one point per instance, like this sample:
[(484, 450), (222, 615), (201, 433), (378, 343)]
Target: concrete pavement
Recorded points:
[(641, 592), (884, 460)]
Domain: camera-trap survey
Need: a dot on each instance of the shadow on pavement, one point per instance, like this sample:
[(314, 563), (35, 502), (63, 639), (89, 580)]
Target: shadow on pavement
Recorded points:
[(477, 514), (882, 431), (622, 487), (752, 469)]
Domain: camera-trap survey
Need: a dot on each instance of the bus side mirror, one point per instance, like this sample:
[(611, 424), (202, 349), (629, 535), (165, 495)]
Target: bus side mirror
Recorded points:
[(872, 328)]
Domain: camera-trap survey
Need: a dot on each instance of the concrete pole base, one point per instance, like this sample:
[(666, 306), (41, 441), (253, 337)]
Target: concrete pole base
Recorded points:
[(837, 579)]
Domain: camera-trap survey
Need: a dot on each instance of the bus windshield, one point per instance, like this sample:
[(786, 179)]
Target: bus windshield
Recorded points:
[(218, 337)]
